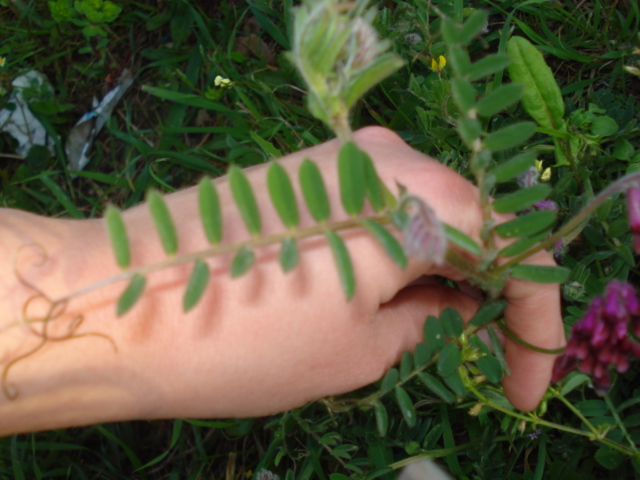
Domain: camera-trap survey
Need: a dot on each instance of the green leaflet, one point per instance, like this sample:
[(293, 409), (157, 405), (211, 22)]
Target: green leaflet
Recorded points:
[(455, 383), (461, 240), (509, 137), (196, 286), (521, 245), (210, 213), (389, 381), (314, 191), (541, 98), (131, 294), (288, 254), (498, 351), (282, 196), (488, 364), (352, 178), (242, 261), (449, 359), (469, 131), (521, 199), (436, 386), (118, 236), (163, 221), (406, 406), (464, 94), (472, 27), (388, 242), (452, 322), (406, 364), (540, 273), (382, 419), (528, 224), (487, 313), (487, 66), (459, 61), (513, 167), (434, 334), (343, 262), (422, 354), (501, 98), (245, 199), (375, 189)]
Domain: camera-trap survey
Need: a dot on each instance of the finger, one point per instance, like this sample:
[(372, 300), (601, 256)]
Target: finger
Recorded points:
[(533, 314)]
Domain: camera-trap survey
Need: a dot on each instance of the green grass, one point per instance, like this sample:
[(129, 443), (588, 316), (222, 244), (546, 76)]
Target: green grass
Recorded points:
[(173, 126)]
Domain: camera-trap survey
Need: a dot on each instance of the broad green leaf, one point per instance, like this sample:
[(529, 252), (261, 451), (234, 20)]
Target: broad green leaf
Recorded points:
[(197, 285), (540, 273), (288, 254), (498, 351), (449, 359), (487, 313), (490, 368), (406, 365), (459, 60), (487, 66), (131, 294), (266, 145), (469, 131), (422, 354), (118, 236), (351, 177), (501, 98), (604, 126), (282, 196), (242, 261), (388, 242), (210, 213), (434, 334), (373, 74), (541, 97), (406, 406), (509, 137), (573, 381), (389, 381), (163, 222), (245, 199), (609, 458), (452, 322), (375, 189), (472, 27), (528, 224), (436, 386), (455, 383), (521, 199), (464, 94), (462, 240), (521, 245), (343, 262), (382, 419), (513, 167), (314, 192)]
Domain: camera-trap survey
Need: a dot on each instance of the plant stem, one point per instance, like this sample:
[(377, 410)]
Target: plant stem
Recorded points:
[(579, 221)]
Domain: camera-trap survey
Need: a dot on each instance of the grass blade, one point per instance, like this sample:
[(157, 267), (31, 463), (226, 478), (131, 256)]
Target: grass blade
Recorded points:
[(118, 236), (163, 221)]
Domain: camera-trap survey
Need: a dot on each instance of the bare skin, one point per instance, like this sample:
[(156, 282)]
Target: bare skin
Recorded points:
[(256, 345)]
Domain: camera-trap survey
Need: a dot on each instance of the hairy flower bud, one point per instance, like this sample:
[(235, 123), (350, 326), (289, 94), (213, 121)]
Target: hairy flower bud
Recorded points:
[(424, 236)]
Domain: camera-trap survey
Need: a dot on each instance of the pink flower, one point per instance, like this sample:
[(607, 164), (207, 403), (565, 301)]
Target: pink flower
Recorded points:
[(601, 339)]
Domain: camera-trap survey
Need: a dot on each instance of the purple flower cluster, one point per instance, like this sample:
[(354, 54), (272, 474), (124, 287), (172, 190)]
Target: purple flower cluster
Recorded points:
[(601, 339), (633, 207)]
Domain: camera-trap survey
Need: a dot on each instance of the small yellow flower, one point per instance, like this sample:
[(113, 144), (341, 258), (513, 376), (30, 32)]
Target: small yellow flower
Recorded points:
[(3, 62), (545, 173), (439, 65), (222, 82)]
